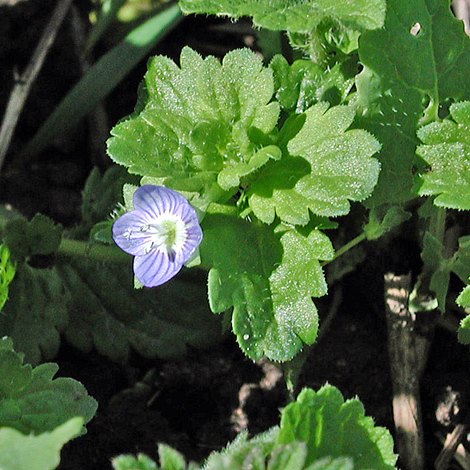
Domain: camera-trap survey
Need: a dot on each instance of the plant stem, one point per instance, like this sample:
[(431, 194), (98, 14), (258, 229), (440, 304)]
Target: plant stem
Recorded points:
[(81, 249), (351, 244)]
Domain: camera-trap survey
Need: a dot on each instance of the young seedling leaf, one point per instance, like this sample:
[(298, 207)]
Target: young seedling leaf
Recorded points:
[(331, 166), (38, 452), (268, 278), (31, 401), (304, 83), (447, 152), (196, 127), (421, 57), (331, 427)]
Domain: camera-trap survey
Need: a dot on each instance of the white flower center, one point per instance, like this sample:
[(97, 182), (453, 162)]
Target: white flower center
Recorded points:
[(167, 233)]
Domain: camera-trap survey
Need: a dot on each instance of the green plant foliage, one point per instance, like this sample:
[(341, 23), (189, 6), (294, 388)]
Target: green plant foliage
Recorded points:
[(332, 427), (406, 70), (108, 314), (35, 313), (268, 278), (7, 273), (40, 236), (141, 462), (95, 306), (292, 15), (42, 452), (336, 167), (319, 431), (303, 83), (196, 127), (31, 401), (447, 152)]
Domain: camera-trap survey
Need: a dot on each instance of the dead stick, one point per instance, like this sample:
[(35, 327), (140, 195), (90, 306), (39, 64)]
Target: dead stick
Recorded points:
[(23, 84), (407, 352)]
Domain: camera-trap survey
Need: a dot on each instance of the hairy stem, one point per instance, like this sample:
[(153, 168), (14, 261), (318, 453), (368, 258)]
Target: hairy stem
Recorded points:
[(81, 249), (351, 244)]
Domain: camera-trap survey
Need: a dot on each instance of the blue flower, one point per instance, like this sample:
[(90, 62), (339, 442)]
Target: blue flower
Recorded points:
[(162, 232)]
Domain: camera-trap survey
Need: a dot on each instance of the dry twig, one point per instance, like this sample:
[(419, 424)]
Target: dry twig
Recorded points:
[(23, 84)]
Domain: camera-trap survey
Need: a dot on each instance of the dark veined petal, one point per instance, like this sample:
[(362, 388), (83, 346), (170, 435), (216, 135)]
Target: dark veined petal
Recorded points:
[(127, 233), (156, 200), (155, 269)]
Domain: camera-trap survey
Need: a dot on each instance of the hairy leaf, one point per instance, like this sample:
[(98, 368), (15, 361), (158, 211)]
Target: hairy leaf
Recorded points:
[(95, 306), (198, 121), (31, 401), (40, 236), (268, 278), (332, 427), (42, 452), (35, 313), (335, 167), (292, 15), (421, 57), (447, 152)]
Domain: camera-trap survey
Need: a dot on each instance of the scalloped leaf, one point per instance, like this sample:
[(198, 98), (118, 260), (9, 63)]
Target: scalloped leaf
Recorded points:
[(447, 152), (35, 313), (154, 322), (268, 278), (42, 452), (31, 401), (335, 167), (332, 427), (421, 57), (39, 236), (95, 306), (292, 15), (198, 121)]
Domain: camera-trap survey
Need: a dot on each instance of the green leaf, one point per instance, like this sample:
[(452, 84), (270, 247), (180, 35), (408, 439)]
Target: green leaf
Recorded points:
[(198, 121), (102, 78), (170, 459), (108, 314), (7, 273), (292, 15), (20, 452), (332, 427), (304, 83), (31, 401), (95, 305), (129, 462), (404, 72), (268, 279), (464, 298), (448, 155), (463, 333), (40, 236), (35, 313), (336, 167)]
